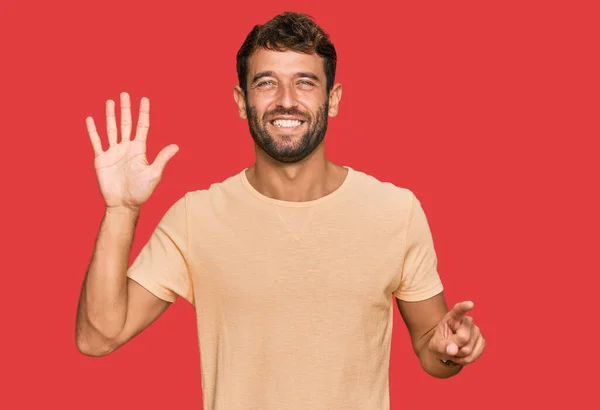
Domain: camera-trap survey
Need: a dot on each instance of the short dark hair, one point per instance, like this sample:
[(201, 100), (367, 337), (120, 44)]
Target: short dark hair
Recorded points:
[(288, 31)]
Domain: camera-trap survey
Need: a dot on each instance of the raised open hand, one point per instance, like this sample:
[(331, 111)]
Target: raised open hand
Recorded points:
[(125, 177)]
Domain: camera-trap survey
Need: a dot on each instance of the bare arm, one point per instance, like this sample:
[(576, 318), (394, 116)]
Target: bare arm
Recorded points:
[(421, 319), (113, 308)]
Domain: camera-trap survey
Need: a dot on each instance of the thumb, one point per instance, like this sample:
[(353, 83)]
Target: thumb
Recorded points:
[(443, 346), (451, 348), (163, 158)]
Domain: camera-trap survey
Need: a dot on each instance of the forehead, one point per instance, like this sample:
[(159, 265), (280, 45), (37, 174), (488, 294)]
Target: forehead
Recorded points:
[(285, 63)]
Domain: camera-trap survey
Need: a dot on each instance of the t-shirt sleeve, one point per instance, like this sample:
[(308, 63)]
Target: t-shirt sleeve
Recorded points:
[(161, 266), (419, 278)]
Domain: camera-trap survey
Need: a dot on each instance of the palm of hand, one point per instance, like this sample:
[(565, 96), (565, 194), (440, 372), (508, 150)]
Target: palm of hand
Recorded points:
[(125, 177)]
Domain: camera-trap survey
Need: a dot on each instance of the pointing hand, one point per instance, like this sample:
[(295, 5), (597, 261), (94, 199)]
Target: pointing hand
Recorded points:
[(456, 337)]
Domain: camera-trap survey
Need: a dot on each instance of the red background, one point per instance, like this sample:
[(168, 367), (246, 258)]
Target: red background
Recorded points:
[(488, 111)]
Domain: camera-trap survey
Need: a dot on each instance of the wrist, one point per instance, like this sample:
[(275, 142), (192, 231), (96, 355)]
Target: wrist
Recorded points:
[(123, 210)]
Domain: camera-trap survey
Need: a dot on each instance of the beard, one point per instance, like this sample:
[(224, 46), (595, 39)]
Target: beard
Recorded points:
[(284, 148)]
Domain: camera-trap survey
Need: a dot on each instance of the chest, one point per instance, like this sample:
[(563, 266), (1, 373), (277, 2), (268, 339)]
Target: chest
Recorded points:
[(309, 257)]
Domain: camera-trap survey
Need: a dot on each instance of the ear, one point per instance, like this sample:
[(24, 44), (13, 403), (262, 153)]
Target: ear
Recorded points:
[(335, 95), (240, 100)]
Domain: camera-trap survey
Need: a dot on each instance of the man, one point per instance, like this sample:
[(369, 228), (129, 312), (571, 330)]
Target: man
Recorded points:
[(292, 264)]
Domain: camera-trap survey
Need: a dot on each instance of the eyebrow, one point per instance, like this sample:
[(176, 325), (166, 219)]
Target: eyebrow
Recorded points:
[(262, 74)]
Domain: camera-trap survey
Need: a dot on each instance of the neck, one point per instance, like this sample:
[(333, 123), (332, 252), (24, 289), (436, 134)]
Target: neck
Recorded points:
[(306, 180)]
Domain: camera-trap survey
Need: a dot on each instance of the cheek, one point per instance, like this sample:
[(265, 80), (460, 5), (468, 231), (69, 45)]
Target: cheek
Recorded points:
[(310, 100), (259, 111), (254, 112), (313, 103), (262, 98)]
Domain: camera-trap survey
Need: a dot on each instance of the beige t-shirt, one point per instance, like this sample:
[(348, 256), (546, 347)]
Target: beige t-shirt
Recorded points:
[(294, 300)]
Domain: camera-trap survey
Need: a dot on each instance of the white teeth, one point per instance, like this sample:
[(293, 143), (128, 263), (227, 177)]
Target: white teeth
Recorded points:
[(286, 123)]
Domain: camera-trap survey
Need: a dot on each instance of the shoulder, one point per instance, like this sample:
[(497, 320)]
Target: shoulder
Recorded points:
[(384, 194), (216, 194)]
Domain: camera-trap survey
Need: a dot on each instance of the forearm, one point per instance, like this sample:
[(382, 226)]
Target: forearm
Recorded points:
[(432, 364), (102, 306)]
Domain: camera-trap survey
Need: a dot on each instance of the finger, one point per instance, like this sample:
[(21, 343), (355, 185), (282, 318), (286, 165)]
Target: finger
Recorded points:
[(125, 117), (474, 355), (468, 347), (451, 348), (111, 123), (94, 137), (459, 310), (462, 336), (163, 158), (143, 120)]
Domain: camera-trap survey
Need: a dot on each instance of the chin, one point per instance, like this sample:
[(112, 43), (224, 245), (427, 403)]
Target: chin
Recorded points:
[(287, 159)]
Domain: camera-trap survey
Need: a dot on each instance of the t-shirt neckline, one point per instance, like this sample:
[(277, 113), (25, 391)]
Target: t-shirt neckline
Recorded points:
[(294, 204)]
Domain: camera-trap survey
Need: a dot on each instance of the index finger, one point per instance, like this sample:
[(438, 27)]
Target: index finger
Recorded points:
[(460, 309)]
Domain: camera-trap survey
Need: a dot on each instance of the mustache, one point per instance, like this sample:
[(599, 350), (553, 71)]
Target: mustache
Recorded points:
[(286, 111)]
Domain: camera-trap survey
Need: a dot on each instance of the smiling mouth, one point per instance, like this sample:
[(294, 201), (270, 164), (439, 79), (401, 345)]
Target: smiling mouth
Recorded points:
[(286, 123)]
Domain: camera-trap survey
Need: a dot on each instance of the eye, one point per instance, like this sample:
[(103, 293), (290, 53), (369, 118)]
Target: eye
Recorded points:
[(306, 82), (264, 83)]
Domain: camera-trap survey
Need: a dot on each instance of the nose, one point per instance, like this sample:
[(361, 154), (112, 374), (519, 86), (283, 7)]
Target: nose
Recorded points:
[(286, 96)]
